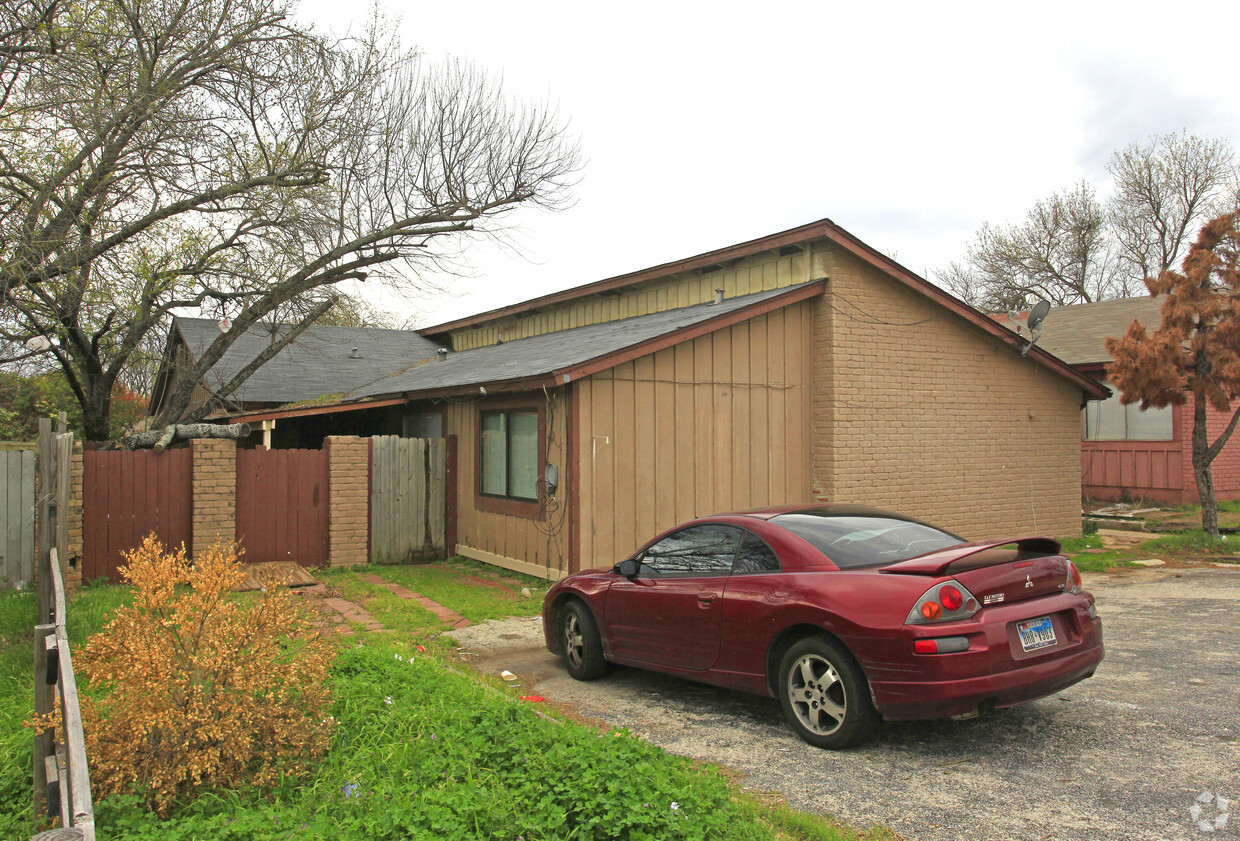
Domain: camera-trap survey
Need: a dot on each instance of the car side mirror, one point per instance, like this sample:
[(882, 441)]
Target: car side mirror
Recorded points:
[(626, 568)]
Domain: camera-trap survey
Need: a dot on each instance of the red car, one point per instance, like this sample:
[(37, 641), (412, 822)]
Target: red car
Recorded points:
[(847, 614)]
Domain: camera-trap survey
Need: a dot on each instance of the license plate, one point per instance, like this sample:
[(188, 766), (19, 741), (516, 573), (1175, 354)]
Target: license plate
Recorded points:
[(1036, 633)]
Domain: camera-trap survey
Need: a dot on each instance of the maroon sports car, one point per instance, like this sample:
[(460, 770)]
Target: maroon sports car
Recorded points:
[(847, 614)]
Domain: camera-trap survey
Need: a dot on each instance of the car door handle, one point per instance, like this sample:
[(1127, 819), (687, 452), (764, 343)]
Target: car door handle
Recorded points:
[(706, 599)]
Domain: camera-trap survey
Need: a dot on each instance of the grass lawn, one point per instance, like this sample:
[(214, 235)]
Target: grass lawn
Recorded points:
[(1181, 542), (424, 748)]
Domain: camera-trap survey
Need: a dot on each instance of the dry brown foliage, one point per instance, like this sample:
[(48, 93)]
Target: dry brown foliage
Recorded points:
[(195, 689)]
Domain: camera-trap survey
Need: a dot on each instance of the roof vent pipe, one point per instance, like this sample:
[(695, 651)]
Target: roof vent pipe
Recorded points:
[(354, 354), (718, 296), (443, 353)]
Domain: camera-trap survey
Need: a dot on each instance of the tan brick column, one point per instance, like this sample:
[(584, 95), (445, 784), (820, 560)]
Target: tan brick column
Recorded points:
[(215, 491), (73, 567), (348, 512)]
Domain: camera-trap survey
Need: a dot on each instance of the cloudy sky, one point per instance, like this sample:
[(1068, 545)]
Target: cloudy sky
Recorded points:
[(908, 124)]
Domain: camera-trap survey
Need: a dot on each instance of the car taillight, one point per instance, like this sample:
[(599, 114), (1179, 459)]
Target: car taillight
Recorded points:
[(943, 603), (1073, 582), (950, 597)]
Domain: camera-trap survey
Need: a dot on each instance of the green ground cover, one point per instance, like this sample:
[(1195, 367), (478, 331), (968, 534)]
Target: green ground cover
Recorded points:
[(424, 748)]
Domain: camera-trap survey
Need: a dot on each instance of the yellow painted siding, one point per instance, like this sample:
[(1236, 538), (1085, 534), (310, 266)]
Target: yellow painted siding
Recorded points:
[(762, 272), (508, 536), (918, 410), (716, 424)]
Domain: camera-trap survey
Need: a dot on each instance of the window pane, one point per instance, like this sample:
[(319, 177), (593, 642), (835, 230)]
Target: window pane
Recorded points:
[(1148, 424), (1105, 420), (494, 463), (523, 455), (755, 556), (424, 425), (865, 540), (700, 550)]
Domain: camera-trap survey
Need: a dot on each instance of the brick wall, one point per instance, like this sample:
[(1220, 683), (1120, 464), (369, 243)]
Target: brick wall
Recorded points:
[(73, 565), (348, 462), (215, 491), (918, 410)]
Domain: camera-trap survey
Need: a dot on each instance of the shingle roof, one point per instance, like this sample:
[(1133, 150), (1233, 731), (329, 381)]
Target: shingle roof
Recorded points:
[(319, 362), (1077, 334), (543, 355)]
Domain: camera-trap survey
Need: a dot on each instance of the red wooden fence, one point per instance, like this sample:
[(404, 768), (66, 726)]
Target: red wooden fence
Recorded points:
[(125, 496), (282, 505)]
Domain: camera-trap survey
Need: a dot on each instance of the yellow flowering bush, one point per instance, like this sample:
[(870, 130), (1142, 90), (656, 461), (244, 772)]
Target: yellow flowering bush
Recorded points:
[(193, 688)]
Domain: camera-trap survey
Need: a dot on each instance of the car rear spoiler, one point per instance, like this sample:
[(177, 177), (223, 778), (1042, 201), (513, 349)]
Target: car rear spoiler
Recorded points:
[(938, 563)]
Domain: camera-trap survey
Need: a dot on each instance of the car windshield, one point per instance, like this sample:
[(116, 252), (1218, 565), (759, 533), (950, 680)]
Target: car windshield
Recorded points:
[(852, 539)]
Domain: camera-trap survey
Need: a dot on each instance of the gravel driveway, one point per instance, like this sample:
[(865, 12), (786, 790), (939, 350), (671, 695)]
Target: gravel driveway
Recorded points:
[(1124, 755)]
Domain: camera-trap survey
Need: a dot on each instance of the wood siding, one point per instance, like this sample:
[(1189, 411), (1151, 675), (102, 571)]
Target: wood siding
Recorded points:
[(720, 423), (757, 274), (533, 545)]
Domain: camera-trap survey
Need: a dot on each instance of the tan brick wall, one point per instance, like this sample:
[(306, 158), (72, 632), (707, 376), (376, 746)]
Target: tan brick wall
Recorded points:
[(918, 410), (348, 459), (73, 565), (215, 491)]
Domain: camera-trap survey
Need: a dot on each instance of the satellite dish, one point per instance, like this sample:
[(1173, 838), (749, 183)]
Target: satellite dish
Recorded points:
[(1038, 314), (38, 343)]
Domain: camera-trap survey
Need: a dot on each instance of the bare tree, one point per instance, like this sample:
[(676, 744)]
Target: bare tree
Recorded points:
[(1164, 191), (1072, 249), (1061, 252), (214, 156)]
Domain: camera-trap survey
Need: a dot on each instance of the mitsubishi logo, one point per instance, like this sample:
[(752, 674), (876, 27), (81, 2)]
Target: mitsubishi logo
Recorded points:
[(1028, 582)]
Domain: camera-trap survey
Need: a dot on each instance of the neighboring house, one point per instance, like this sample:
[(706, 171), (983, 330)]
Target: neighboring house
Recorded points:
[(322, 361), (1127, 452), (826, 371)]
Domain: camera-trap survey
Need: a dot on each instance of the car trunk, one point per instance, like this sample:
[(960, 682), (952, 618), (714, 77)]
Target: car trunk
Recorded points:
[(996, 572)]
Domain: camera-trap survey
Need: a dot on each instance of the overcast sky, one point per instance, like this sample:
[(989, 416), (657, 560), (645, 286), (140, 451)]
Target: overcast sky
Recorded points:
[(907, 124)]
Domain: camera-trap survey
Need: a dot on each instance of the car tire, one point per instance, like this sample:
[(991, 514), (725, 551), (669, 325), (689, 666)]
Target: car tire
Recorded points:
[(825, 695), (580, 644)]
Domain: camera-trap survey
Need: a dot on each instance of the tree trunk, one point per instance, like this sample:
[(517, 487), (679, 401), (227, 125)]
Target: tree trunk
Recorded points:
[(157, 439), (1201, 468)]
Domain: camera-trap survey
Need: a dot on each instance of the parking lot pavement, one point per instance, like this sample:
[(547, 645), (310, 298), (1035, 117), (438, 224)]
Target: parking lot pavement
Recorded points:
[(1147, 749)]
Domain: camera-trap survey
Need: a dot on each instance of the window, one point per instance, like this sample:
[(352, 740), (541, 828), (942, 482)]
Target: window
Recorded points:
[(509, 454), (854, 539), (423, 425), (697, 550), (1111, 420), (755, 556)]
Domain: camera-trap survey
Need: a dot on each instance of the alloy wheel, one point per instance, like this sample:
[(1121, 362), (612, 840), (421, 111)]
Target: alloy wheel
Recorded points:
[(817, 694)]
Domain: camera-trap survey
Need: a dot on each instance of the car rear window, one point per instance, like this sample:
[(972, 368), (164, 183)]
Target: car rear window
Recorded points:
[(860, 540)]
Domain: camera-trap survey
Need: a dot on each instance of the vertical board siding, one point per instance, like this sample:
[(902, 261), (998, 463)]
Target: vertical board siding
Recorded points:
[(407, 499), (756, 274), (541, 541), (719, 423), (128, 495), (282, 505), (17, 511)]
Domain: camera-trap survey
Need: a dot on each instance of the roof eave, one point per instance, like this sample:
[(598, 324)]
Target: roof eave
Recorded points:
[(561, 376), (803, 233)]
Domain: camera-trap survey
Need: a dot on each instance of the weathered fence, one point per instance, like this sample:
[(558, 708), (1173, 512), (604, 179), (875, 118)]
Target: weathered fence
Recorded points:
[(407, 499), (61, 775), (61, 756), (16, 518)]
